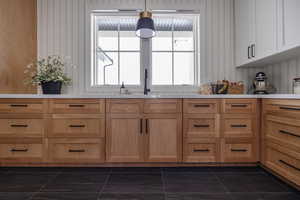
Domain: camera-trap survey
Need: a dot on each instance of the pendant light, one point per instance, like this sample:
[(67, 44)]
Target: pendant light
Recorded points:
[(145, 26)]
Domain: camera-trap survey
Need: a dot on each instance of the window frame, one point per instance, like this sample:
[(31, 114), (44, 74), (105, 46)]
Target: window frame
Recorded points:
[(145, 57)]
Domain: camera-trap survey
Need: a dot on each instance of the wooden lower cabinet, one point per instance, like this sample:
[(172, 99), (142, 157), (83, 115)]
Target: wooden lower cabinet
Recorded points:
[(124, 138), (76, 150), (152, 138), (283, 161), (201, 150), (163, 136), (22, 150), (240, 150)]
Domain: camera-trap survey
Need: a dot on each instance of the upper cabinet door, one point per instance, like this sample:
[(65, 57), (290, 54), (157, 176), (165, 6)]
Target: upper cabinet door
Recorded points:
[(244, 29), (289, 25), (266, 28)]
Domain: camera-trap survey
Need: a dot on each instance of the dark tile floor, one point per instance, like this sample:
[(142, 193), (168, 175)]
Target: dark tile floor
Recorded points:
[(247, 183)]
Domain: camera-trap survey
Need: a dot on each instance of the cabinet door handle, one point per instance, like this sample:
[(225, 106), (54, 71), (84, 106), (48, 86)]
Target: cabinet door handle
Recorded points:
[(288, 133), (201, 125), (77, 126), (76, 106), (19, 105), (289, 108), (201, 105), (147, 126), (76, 150), (19, 125), (249, 57), (238, 125), (141, 126), (239, 105), (19, 150), (289, 165), (253, 50), (201, 150), (239, 150)]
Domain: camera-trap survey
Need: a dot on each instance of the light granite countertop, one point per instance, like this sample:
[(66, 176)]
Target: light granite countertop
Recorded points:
[(150, 96)]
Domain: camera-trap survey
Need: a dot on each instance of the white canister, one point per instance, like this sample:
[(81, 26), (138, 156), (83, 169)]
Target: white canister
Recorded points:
[(296, 85)]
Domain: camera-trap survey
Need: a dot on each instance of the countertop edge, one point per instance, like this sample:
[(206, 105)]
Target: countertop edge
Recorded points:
[(151, 96)]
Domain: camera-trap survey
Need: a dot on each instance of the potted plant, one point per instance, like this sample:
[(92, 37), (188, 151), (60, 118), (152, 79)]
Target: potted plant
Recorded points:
[(49, 74)]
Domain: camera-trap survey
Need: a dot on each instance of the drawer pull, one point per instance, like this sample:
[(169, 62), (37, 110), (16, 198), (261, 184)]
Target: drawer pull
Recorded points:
[(77, 126), (76, 150), (289, 165), (288, 133), (289, 108), (19, 125), (76, 106), (201, 150), (19, 105), (147, 126), (19, 150), (141, 126), (239, 150), (239, 105), (238, 125), (201, 125), (201, 105)]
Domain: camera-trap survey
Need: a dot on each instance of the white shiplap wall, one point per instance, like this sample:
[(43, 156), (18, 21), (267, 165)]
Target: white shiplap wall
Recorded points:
[(62, 30)]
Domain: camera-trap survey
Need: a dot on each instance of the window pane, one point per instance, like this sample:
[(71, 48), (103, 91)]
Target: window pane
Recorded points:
[(162, 68), (183, 41), (162, 41), (183, 68), (107, 74), (108, 40), (130, 68), (129, 41)]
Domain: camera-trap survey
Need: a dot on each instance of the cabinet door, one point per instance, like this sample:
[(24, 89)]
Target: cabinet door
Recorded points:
[(244, 21), (163, 137), (266, 28), (124, 138), (289, 16)]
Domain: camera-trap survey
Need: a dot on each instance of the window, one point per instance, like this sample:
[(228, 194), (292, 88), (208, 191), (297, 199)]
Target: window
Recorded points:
[(173, 51), (120, 56)]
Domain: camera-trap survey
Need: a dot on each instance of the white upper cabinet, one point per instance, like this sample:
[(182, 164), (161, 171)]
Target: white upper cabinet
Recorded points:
[(244, 24), (276, 28), (289, 24), (266, 28)]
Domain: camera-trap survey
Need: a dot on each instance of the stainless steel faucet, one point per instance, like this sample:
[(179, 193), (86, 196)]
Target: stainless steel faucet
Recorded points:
[(146, 89)]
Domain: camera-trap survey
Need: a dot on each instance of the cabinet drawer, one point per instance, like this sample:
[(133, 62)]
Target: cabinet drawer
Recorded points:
[(77, 106), (21, 150), (239, 150), (22, 106), (284, 130), (201, 150), (21, 127), (201, 126), (70, 127), (284, 162), (76, 150), (167, 106), (124, 106), (238, 125), (238, 106), (194, 106), (289, 108)]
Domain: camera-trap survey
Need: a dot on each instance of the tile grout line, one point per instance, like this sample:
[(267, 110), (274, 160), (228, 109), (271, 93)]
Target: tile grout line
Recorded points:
[(44, 185), (223, 185), (104, 184), (163, 183)]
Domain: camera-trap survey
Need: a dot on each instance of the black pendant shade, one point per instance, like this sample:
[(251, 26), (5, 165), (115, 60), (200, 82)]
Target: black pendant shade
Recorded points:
[(145, 26)]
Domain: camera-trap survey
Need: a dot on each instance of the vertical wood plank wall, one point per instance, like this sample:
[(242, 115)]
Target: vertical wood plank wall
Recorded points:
[(18, 43), (61, 30)]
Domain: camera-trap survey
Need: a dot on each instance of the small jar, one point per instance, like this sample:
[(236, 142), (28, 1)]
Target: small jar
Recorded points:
[(296, 86)]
